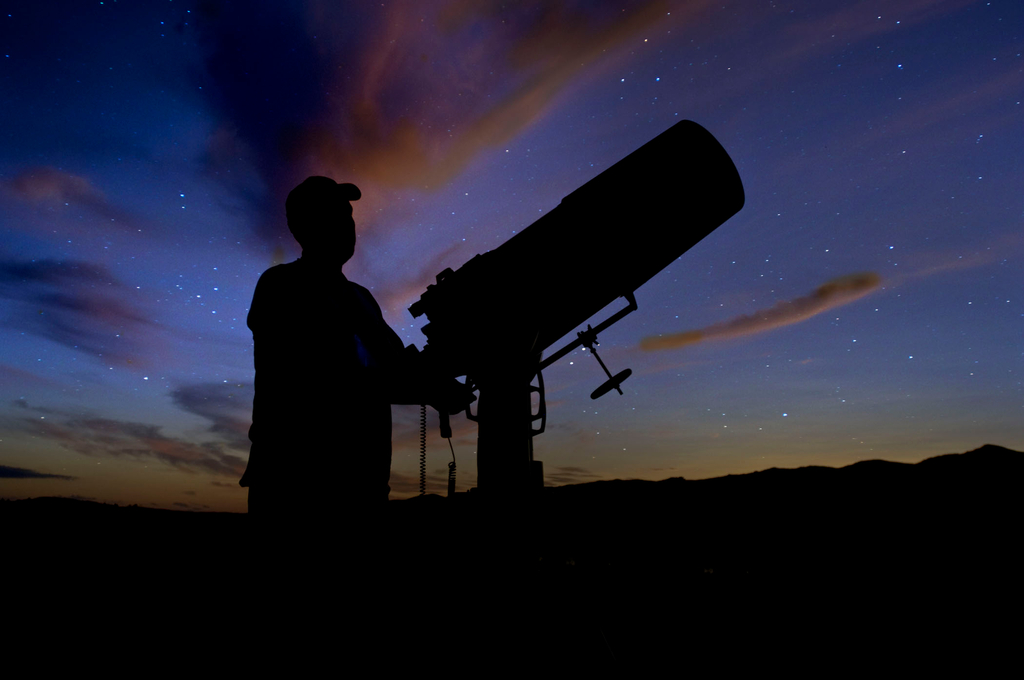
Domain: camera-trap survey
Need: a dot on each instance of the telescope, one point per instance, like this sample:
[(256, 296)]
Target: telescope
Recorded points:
[(492, 319)]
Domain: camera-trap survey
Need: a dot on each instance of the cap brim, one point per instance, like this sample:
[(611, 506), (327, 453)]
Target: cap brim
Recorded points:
[(349, 192)]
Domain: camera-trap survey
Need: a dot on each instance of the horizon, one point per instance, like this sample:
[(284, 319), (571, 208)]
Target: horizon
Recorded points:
[(182, 507)]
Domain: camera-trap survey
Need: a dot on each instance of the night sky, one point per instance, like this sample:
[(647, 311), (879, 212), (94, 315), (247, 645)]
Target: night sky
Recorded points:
[(867, 302)]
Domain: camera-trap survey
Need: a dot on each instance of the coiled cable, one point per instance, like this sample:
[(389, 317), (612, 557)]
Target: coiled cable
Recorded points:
[(423, 456)]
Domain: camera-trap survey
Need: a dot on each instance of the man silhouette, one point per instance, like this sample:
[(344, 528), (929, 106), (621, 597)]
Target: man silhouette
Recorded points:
[(327, 370)]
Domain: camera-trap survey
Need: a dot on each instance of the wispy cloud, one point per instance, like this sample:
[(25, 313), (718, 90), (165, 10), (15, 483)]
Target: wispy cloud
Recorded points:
[(569, 475), (94, 436), (226, 405), (191, 506), (834, 293), (927, 263), (53, 188), (422, 110), (400, 292), (398, 96), (76, 304), (8, 472)]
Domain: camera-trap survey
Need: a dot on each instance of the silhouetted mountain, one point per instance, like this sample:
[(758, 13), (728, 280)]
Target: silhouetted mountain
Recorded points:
[(780, 563)]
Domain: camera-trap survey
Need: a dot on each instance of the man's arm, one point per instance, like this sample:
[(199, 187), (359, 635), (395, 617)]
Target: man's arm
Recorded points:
[(402, 373)]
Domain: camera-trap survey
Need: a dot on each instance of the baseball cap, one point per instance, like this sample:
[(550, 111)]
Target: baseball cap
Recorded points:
[(318, 196)]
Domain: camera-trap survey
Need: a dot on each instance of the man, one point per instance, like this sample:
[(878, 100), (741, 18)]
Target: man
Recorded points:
[(327, 370)]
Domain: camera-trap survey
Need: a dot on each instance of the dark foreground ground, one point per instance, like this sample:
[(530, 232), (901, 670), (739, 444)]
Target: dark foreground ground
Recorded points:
[(877, 567)]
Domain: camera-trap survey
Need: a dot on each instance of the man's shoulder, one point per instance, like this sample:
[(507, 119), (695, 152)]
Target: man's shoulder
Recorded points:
[(280, 275), (361, 290), (282, 270), (365, 295)]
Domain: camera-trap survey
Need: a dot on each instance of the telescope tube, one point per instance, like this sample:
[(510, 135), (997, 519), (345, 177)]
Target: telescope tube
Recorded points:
[(603, 241), (492, 318)]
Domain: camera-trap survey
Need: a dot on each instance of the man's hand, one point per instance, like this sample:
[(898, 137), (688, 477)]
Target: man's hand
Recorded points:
[(414, 379), (451, 396)]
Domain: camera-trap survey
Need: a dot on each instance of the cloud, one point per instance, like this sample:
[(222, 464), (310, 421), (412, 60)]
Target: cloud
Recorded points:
[(924, 264), (226, 405), (402, 95), (228, 409), (76, 304), (93, 436), (248, 52), (421, 110), (401, 292), (11, 375), (834, 293), (568, 475), (48, 186), (8, 472)]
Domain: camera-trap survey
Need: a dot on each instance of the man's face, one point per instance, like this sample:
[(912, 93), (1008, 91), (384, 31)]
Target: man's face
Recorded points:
[(334, 237)]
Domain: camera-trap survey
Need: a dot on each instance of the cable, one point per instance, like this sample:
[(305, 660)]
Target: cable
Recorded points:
[(423, 456), (451, 471), (423, 449)]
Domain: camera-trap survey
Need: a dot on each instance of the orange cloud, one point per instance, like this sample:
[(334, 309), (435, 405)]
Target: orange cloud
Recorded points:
[(396, 294), (51, 184), (925, 264), (834, 293), (92, 436), (46, 185), (418, 114)]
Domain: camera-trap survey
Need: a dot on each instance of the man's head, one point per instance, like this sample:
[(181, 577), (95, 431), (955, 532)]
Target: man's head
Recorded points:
[(319, 215)]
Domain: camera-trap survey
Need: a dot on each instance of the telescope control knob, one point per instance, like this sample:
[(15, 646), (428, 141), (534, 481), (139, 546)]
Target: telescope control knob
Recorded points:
[(610, 384), (588, 339)]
